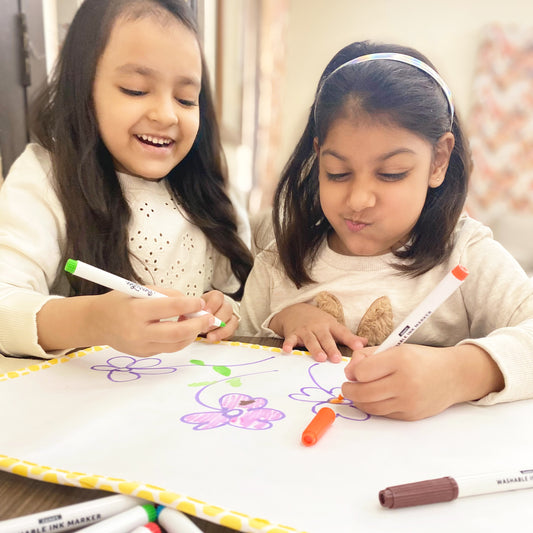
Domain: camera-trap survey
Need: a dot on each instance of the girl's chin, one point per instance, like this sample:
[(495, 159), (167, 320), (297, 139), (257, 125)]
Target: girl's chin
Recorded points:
[(351, 249)]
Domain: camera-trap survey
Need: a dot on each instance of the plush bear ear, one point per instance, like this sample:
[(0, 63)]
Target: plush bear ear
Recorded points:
[(330, 304), (376, 324)]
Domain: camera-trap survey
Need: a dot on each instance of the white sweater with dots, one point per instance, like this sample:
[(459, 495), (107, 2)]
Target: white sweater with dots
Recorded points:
[(169, 251)]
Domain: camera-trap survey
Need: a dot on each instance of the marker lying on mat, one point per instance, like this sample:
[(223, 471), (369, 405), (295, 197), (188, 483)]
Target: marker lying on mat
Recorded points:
[(425, 308), (124, 522), (174, 521), (446, 489), (151, 527), (318, 426), (111, 281), (72, 516)]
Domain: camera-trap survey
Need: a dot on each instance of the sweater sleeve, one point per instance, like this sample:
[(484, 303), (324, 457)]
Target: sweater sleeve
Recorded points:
[(32, 229), (499, 300)]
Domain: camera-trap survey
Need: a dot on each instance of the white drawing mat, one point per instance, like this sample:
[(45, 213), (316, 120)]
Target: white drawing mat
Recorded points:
[(214, 430)]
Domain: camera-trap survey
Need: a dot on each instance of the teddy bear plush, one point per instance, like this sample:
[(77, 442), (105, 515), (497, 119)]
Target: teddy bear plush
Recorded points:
[(376, 323)]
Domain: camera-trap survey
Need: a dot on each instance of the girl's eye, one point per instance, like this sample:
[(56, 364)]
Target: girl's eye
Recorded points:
[(393, 177), (131, 92), (337, 177), (187, 103)]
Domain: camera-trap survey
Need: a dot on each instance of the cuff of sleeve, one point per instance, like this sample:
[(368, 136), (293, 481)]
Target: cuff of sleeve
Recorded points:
[(236, 306), (265, 330), (515, 361), (18, 334)]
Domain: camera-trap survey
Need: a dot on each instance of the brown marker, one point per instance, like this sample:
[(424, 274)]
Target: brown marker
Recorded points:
[(446, 489)]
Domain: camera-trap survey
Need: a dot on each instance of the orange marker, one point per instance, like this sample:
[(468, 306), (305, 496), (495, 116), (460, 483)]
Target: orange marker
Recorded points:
[(317, 427)]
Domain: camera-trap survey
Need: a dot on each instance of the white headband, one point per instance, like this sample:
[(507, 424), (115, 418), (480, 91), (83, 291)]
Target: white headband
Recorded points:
[(403, 59)]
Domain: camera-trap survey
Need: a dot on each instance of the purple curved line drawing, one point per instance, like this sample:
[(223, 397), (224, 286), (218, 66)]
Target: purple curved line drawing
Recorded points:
[(123, 368), (237, 364), (234, 409), (321, 397)]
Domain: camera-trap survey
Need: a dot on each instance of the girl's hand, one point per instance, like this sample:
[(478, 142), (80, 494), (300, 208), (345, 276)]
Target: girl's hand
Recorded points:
[(410, 382), (137, 326), (218, 306), (306, 325)]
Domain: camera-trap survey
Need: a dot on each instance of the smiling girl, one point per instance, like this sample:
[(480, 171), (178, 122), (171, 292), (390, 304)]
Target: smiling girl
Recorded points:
[(128, 175), (368, 220)]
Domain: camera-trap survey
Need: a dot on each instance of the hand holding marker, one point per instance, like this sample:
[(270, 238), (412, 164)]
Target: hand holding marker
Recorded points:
[(425, 308), (325, 417), (111, 281)]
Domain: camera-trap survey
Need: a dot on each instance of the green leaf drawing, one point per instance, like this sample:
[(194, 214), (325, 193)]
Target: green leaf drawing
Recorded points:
[(224, 370), (197, 362), (201, 383)]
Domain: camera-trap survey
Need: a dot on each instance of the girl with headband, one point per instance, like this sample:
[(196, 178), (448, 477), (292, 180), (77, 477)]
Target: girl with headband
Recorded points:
[(368, 218)]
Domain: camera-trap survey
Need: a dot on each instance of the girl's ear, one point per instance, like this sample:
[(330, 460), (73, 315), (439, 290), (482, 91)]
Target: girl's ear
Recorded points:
[(315, 145), (441, 158)]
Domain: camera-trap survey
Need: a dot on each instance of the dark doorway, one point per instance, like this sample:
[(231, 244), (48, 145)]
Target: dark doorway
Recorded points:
[(22, 71)]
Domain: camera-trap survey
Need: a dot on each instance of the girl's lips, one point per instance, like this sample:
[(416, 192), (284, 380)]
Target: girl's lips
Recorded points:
[(156, 147), (354, 225), (154, 140)]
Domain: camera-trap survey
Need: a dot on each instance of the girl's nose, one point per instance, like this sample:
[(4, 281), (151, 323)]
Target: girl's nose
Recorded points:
[(361, 195), (165, 111)]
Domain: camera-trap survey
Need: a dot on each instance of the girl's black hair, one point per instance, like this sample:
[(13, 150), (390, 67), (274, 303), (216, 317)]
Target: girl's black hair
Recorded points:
[(96, 212), (389, 91)]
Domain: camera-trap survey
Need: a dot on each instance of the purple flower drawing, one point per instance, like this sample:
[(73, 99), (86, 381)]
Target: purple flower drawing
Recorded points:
[(321, 395), (126, 368), (237, 410)]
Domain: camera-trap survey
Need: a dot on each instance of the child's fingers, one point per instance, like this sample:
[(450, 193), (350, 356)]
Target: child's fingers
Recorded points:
[(310, 343), (214, 300), (167, 308), (386, 407), (170, 332), (308, 338), (328, 346), (290, 342), (344, 336), (371, 392), (225, 332), (161, 337), (366, 366)]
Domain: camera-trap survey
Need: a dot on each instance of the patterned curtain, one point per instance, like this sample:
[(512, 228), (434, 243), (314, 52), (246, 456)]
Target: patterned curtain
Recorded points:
[(501, 134)]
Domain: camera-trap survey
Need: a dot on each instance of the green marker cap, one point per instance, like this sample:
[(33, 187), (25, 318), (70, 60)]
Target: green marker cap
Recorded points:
[(71, 266), (151, 513)]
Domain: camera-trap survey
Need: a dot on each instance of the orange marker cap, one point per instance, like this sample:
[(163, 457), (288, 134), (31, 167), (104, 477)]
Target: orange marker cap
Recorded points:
[(460, 272), (318, 426)]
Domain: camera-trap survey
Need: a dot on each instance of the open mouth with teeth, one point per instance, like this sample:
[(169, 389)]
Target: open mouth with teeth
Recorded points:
[(154, 141)]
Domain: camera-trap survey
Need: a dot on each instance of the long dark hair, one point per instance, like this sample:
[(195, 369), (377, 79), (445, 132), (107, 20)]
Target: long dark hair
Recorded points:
[(402, 95), (96, 212)]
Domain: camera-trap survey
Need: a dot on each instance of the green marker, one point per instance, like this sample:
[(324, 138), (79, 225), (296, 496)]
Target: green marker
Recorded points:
[(111, 281)]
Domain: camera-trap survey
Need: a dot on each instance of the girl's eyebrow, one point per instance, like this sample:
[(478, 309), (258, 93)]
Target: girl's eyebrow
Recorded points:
[(388, 155), (333, 153), (133, 68)]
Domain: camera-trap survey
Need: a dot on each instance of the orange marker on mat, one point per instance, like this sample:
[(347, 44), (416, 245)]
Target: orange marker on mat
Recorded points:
[(317, 427)]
